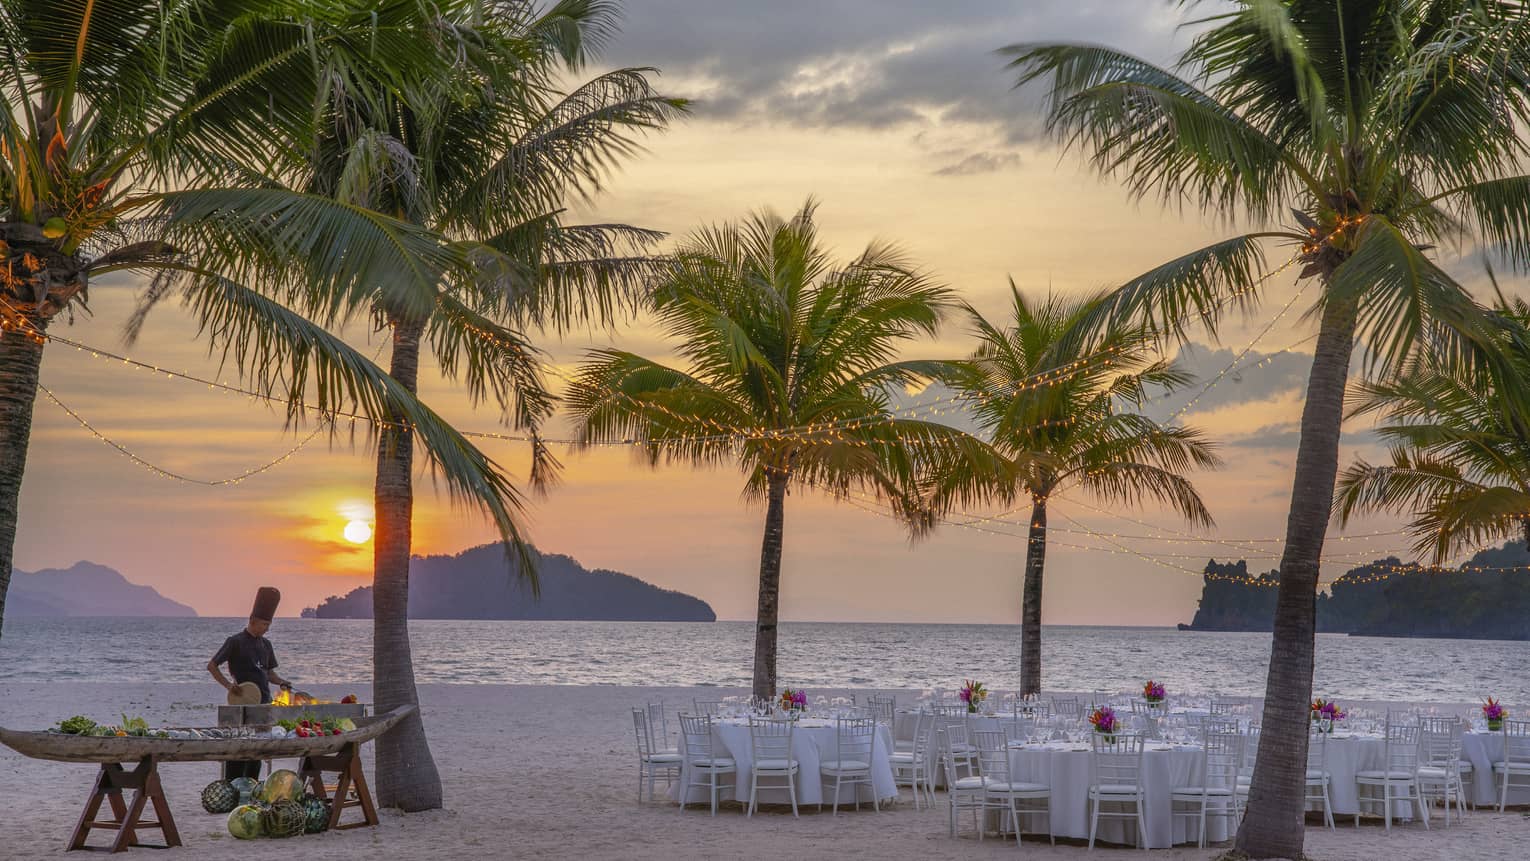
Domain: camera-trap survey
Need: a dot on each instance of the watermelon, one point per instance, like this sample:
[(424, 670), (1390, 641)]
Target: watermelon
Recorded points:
[(246, 822), (282, 785)]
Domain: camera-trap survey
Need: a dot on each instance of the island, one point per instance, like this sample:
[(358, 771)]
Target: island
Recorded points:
[(1485, 598), (85, 589), (481, 583)]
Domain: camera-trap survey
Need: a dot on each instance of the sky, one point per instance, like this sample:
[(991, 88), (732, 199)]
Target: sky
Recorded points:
[(898, 116)]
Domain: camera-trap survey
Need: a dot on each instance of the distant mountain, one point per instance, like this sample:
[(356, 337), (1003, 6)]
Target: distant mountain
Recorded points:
[(85, 589), (480, 584), (1488, 598)]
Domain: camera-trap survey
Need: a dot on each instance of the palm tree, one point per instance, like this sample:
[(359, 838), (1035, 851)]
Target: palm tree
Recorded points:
[(1060, 414), (139, 137), (789, 359), (486, 158), (1382, 126), (1460, 454)]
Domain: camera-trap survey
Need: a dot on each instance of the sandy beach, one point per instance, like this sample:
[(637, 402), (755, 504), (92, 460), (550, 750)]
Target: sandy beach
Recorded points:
[(542, 771)]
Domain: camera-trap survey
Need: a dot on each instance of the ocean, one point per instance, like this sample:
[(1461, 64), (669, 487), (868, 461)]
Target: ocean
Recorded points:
[(821, 655)]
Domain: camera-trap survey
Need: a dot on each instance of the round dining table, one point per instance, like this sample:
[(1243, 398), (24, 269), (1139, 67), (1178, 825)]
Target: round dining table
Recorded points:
[(814, 740), (1064, 766)]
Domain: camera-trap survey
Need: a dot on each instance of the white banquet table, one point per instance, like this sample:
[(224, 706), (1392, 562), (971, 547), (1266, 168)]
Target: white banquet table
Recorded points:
[(1064, 766), (813, 740)]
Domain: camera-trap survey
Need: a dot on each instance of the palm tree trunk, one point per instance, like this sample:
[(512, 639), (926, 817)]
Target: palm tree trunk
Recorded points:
[(1273, 827), (770, 587), (406, 773), (1030, 609), (20, 360)]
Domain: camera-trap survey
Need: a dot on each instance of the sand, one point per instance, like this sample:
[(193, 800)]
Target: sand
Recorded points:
[(541, 771)]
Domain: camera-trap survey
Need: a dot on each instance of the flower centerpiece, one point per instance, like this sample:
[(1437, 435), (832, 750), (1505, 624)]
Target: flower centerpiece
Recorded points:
[(1104, 721), (793, 702), (1325, 712), (1494, 712), (973, 694), (1154, 693)]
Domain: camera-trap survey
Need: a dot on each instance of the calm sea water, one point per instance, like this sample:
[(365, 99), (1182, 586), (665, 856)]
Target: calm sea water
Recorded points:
[(313, 651)]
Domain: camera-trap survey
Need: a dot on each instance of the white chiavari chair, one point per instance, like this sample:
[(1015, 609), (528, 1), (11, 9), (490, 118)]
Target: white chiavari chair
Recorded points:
[(1115, 777), (704, 766), (707, 708), (1221, 757), (770, 741), (1516, 759), (1397, 779), (1319, 779), (964, 793), (1439, 766), (854, 743), (1002, 792), (912, 767), (653, 760), (958, 738)]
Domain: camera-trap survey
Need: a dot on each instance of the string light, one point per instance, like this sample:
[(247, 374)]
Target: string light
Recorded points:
[(165, 473)]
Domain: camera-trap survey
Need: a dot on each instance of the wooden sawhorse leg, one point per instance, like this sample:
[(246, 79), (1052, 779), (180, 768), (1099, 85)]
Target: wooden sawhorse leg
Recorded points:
[(350, 789), (110, 782)]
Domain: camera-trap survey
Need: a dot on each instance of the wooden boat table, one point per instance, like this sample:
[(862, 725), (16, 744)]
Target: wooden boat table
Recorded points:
[(132, 763)]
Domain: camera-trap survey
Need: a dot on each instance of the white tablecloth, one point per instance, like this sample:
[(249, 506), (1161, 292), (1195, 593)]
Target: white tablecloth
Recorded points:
[(1482, 749), (1065, 768), (813, 741)]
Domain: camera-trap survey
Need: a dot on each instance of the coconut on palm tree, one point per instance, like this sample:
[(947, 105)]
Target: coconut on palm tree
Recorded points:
[(484, 155), (1379, 127), (1460, 452), (789, 358), (142, 137), (1062, 413)]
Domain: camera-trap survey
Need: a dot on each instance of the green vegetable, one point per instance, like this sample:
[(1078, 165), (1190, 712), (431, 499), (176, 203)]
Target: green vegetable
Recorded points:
[(77, 725), (287, 724), (135, 726)]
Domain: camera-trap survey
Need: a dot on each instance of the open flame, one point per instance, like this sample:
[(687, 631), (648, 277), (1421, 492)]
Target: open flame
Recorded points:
[(285, 697)]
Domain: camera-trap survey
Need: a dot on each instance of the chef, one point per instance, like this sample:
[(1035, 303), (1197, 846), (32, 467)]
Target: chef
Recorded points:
[(252, 663)]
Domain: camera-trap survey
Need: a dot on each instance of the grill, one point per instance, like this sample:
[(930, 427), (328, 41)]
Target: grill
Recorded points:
[(268, 715)]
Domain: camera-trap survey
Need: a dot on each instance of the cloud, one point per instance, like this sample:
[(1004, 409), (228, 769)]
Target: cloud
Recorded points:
[(980, 162), (871, 63), (1257, 377)]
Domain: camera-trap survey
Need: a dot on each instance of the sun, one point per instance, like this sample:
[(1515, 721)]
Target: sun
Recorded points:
[(358, 532)]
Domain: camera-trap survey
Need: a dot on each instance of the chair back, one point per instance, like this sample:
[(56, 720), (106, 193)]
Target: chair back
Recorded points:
[(1140, 707), (1033, 709), (1221, 758), (1402, 748), (924, 735), (1115, 760), (640, 725), (770, 738), (1317, 749), (1439, 741), (955, 726), (1018, 728), (658, 725), (948, 709), (1251, 748), (1516, 741), (707, 707), (1219, 724), (1069, 707), (855, 738), (1224, 706), (943, 750), (696, 730), (884, 708), (993, 755)]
